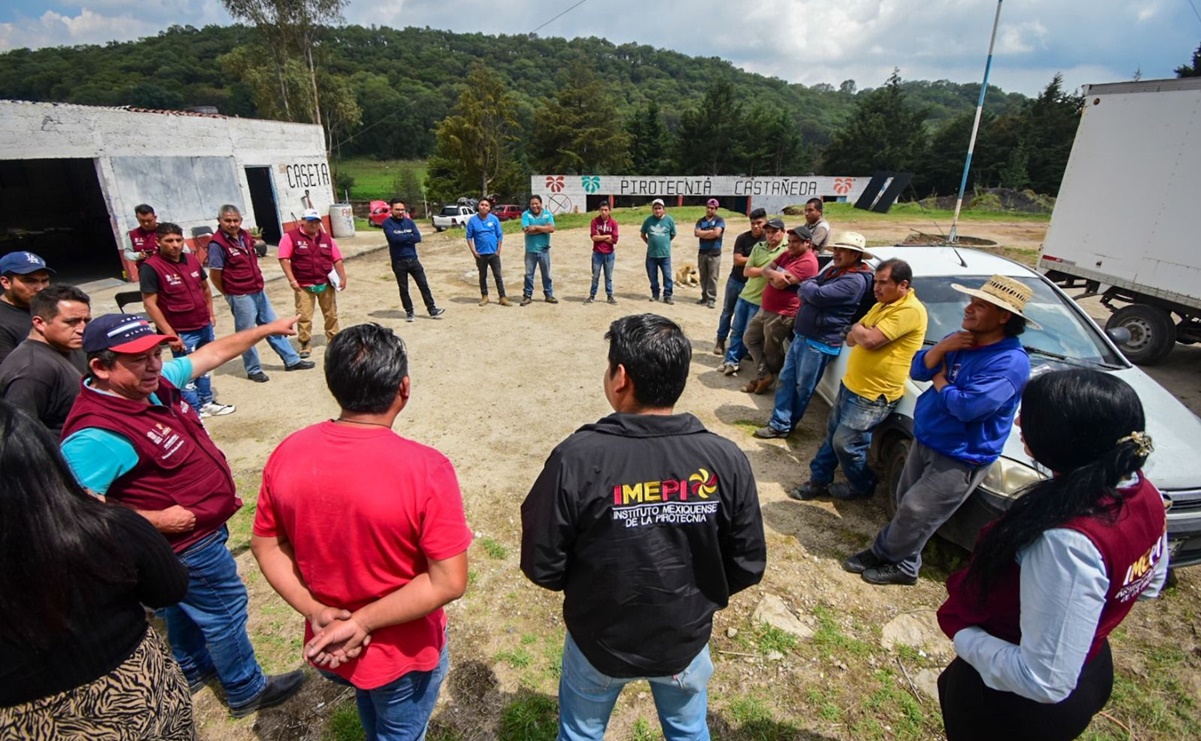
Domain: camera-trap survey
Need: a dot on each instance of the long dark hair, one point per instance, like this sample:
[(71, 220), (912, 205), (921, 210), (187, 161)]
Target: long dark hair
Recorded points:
[(1077, 423), (52, 533)]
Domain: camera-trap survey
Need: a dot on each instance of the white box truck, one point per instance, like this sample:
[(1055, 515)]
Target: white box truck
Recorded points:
[(1127, 223)]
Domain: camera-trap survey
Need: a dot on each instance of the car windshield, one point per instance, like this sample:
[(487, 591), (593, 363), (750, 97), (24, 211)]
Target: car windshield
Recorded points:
[(1064, 335), (449, 211)]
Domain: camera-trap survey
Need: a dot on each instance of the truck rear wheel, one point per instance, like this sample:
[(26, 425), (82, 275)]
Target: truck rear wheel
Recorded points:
[(1152, 332)]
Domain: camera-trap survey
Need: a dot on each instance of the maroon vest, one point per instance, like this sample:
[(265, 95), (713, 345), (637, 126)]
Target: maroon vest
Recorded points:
[(143, 241), (1130, 545), (312, 257), (178, 463), (241, 275), (181, 290)]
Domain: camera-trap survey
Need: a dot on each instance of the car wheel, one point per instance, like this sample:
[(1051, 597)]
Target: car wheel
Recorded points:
[(1152, 332), (439, 228), (892, 460)]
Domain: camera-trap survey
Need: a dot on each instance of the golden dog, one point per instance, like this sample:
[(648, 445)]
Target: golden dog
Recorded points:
[(688, 275)]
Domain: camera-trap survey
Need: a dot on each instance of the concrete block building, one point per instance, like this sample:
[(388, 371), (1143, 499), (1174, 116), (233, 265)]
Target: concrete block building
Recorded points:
[(71, 175)]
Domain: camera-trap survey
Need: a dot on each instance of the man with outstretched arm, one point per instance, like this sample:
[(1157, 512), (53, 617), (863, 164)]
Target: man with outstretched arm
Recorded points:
[(132, 438)]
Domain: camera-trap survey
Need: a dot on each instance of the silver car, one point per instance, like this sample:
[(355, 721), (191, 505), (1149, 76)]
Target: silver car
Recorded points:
[(1068, 339)]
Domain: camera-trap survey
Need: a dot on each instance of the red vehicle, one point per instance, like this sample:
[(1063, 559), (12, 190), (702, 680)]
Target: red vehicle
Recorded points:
[(380, 210), (506, 211)]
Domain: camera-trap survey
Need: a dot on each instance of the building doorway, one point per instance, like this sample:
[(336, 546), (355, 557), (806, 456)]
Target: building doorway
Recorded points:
[(263, 203)]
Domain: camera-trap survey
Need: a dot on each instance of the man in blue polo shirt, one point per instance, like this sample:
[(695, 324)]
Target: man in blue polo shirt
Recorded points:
[(538, 224), (484, 239), (709, 229)]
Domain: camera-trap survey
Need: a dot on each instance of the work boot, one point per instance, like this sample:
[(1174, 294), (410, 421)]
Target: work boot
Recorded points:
[(278, 689), (484, 300), (808, 491), (769, 433), (763, 385), (526, 300), (552, 300), (504, 301), (719, 347)]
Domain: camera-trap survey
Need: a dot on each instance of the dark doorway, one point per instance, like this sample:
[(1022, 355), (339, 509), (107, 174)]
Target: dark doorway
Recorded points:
[(55, 209), (262, 202)]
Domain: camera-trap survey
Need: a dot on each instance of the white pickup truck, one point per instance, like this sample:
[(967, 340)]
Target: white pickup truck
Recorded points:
[(452, 216)]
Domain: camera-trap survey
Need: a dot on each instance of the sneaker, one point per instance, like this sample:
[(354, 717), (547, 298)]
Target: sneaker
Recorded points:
[(654, 298), (667, 300), (258, 377), (808, 491), (504, 301), (889, 573), (526, 300), (484, 300), (846, 493), (409, 317), (301, 365), (702, 301), (436, 313), (769, 433), (213, 409), (611, 300), (862, 561), (305, 351), (279, 688), (730, 369), (719, 347), (552, 300), (710, 305), (590, 299)]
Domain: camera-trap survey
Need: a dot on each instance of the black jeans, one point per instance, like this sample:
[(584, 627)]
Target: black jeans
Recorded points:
[(970, 710), (402, 269), (483, 262)]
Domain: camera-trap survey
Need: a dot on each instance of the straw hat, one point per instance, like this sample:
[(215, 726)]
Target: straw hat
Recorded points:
[(1005, 293), (852, 241)]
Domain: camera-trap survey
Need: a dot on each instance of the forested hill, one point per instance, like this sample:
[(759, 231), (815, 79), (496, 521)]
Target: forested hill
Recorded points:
[(410, 79)]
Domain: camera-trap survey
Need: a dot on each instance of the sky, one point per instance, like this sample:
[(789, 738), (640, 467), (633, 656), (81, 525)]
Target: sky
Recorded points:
[(804, 41)]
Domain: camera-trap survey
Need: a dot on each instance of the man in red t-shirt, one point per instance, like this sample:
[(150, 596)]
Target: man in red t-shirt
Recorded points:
[(399, 552), (766, 332)]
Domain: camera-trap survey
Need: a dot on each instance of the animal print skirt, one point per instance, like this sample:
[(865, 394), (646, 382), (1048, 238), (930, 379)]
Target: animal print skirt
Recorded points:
[(146, 697)]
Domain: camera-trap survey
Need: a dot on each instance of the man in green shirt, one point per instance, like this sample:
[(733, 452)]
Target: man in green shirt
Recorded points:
[(752, 293), (657, 232)]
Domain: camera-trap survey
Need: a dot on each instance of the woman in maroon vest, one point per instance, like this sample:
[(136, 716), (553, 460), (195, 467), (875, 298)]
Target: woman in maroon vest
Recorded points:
[(1054, 575)]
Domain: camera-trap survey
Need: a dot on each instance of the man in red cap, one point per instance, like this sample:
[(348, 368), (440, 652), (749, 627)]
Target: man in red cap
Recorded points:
[(709, 229), (132, 438)]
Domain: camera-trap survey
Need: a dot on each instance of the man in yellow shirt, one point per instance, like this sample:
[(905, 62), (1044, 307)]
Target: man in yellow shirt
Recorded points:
[(882, 344)]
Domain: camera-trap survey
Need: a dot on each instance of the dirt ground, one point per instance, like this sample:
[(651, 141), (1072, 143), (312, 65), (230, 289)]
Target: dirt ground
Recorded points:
[(495, 389)]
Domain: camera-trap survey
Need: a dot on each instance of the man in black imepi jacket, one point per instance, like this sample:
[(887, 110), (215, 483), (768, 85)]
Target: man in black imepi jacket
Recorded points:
[(648, 523)]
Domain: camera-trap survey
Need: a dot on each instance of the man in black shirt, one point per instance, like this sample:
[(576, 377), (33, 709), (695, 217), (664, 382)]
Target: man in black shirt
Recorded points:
[(648, 523), (22, 275), (41, 377), (735, 283)]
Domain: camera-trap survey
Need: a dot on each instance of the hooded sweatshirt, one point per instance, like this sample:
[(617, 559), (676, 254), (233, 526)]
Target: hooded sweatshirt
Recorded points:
[(647, 523)]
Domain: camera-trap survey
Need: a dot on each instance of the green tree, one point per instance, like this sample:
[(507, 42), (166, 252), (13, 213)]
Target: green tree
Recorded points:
[(707, 141), (1048, 131), (407, 187), (884, 133), (474, 148), (770, 144), (1193, 70), (648, 141), (574, 131)]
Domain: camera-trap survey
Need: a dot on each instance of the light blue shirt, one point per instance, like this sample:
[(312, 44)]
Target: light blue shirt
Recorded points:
[(1063, 589), (541, 241), (99, 457)]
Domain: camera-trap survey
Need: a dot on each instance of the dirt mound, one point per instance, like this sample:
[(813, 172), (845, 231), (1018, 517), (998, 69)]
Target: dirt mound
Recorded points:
[(997, 199), (923, 238)]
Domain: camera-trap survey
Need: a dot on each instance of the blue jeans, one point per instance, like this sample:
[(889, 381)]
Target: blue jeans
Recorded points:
[(401, 709), (733, 288), (587, 697), (200, 391), (540, 260), (602, 260), (743, 312), (253, 310), (848, 438), (654, 266), (207, 629), (803, 368)]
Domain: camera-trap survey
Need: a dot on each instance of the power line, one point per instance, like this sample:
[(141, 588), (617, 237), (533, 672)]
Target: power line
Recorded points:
[(573, 7), (1194, 7)]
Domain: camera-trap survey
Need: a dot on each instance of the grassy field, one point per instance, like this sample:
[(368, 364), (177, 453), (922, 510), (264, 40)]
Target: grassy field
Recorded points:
[(376, 179)]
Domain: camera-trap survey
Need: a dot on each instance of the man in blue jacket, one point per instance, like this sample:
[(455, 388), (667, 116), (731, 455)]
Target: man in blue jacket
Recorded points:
[(960, 423), (647, 522), (829, 303), (403, 236)]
